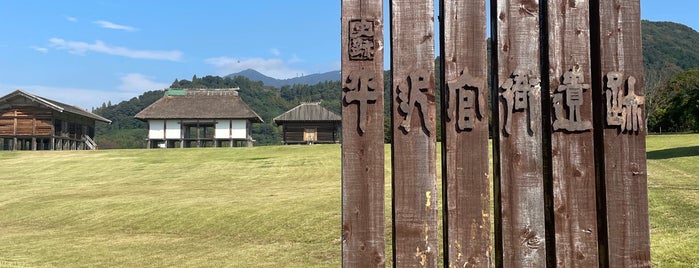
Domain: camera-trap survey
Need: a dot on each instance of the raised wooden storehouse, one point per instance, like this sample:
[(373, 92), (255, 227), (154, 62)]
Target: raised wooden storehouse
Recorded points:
[(199, 118), (309, 123), (30, 122)]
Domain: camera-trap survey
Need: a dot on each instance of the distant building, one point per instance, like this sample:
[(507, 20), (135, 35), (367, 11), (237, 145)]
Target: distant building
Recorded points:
[(30, 122), (199, 118), (309, 123)]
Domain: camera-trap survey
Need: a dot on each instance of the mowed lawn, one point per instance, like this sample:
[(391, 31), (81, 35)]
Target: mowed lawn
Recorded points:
[(276, 206)]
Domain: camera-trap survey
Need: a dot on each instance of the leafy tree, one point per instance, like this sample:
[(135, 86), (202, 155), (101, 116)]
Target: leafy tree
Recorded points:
[(676, 106)]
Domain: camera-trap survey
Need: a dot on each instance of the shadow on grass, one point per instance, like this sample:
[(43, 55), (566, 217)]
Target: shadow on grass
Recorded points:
[(674, 152)]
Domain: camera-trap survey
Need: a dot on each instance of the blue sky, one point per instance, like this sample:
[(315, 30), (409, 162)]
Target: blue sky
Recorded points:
[(89, 52)]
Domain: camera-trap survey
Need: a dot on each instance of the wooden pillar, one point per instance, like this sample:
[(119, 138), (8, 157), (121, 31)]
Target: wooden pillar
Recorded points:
[(520, 233), (363, 219), (14, 144), (621, 137), (182, 130), (52, 143), (465, 180), (572, 139), (415, 241), (33, 144)]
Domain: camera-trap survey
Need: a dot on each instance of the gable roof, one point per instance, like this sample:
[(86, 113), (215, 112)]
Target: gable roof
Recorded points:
[(199, 104), (311, 111), (53, 105)]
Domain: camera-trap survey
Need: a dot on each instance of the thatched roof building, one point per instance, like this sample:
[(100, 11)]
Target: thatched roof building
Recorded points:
[(199, 118), (309, 123), (199, 104)]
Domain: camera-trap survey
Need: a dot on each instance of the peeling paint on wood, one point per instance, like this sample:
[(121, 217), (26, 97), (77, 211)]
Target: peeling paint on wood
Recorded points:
[(465, 180), (415, 241)]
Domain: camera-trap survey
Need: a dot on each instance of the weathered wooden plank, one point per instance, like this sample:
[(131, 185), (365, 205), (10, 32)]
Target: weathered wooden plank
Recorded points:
[(623, 160), (572, 139), (363, 239), (415, 241), (465, 180), (517, 147)]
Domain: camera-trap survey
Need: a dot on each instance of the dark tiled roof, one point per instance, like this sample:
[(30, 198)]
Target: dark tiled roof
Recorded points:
[(307, 112), (200, 104), (55, 105)]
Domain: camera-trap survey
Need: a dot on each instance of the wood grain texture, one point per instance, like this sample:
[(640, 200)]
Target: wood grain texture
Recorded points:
[(363, 219), (572, 141), (624, 157), (415, 241), (465, 180), (519, 182)]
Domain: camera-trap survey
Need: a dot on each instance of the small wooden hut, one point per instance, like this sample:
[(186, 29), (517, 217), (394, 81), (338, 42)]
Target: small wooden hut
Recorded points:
[(309, 123), (30, 122), (199, 118)]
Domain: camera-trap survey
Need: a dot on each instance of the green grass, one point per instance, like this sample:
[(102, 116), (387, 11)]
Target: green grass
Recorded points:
[(276, 206), (673, 193), (267, 206)]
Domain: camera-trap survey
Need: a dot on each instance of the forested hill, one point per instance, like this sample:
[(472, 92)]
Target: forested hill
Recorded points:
[(670, 58), (669, 49)]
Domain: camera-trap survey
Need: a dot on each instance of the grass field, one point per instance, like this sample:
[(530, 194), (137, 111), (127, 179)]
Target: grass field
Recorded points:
[(242, 207)]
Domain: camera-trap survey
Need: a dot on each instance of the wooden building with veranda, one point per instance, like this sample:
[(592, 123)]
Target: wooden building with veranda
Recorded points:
[(30, 122), (309, 123), (199, 118)]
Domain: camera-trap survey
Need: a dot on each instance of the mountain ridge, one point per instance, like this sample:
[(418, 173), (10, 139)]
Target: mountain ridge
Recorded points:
[(311, 79)]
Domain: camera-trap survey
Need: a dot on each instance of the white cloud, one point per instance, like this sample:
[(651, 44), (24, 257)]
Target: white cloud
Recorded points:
[(71, 19), (81, 48), (138, 83), (276, 68), (275, 52), (40, 49), (295, 59), (114, 26)]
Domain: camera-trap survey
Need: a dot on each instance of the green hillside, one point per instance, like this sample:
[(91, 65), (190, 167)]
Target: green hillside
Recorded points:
[(269, 206)]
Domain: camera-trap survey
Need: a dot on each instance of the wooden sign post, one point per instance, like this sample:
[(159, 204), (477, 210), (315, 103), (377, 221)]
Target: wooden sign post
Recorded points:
[(570, 182), (465, 177), (517, 139), (572, 140), (622, 133), (415, 234), (363, 240)]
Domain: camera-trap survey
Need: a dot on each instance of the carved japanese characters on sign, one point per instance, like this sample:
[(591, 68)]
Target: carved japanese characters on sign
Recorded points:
[(623, 111), (415, 92), (572, 88), (361, 39), (516, 94), (360, 87), (464, 101)]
